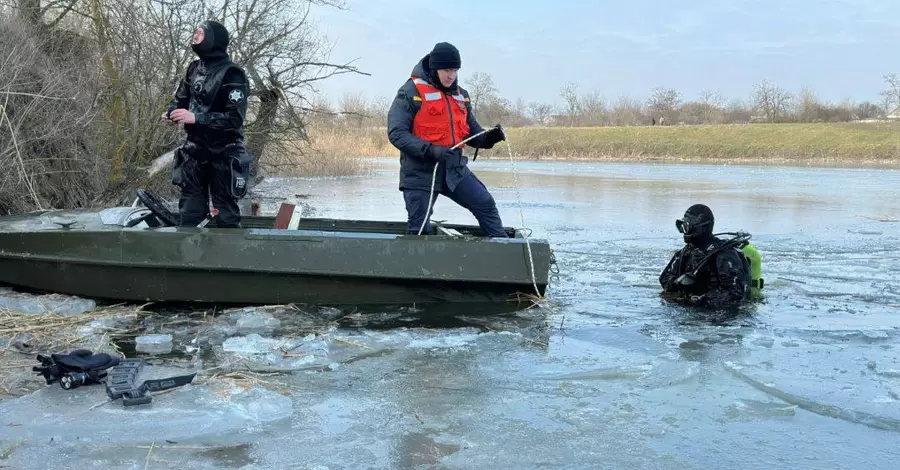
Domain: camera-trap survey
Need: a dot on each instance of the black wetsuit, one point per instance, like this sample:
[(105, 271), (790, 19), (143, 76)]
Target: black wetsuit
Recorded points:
[(213, 162)]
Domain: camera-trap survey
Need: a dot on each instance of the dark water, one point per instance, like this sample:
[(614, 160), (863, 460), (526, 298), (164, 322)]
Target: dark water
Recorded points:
[(606, 374)]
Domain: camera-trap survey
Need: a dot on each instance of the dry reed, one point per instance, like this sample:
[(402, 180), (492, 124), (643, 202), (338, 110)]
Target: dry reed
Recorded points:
[(869, 144)]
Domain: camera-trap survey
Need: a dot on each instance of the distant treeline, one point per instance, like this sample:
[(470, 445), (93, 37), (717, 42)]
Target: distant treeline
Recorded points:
[(664, 106)]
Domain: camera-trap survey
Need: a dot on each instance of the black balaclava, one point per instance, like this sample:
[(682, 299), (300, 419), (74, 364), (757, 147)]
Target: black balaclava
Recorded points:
[(697, 225), (443, 56), (214, 46)]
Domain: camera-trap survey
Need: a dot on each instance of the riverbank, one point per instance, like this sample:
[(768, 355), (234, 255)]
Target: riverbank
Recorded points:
[(860, 144)]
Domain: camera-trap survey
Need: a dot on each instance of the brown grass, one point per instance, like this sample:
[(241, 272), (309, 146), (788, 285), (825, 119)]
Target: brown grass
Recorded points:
[(352, 142), (859, 144), (329, 152)]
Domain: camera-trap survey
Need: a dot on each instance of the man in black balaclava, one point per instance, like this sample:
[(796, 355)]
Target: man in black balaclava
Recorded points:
[(429, 116), (211, 102), (706, 272)]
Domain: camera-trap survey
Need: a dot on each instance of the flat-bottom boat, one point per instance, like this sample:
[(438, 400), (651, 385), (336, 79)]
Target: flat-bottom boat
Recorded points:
[(139, 254)]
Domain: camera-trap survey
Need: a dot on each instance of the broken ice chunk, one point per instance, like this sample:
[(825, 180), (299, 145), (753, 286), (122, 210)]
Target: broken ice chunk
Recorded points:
[(154, 344), (52, 303), (267, 354), (251, 322)]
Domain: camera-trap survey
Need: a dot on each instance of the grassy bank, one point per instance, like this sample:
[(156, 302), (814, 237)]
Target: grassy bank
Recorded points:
[(342, 143), (840, 144)]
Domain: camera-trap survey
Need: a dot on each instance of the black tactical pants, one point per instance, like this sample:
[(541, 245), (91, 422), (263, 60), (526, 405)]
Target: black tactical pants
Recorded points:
[(203, 176)]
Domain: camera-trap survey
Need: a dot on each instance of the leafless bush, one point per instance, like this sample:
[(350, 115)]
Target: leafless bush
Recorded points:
[(627, 111), (46, 113), (87, 81), (890, 97), (144, 44)]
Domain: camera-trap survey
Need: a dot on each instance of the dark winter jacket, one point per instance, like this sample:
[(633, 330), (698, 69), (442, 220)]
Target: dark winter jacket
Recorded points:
[(415, 168)]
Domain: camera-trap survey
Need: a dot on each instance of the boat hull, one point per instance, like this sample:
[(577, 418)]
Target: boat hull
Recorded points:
[(323, 262), (229, 287)]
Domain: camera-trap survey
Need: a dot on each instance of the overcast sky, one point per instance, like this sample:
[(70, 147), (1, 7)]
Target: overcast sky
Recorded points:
[(839, 48)]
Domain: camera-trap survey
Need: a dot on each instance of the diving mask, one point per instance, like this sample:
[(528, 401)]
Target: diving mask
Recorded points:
[(687, 225)]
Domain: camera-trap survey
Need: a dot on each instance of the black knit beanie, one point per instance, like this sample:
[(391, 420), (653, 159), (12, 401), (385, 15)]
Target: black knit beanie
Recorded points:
[(444, 56)]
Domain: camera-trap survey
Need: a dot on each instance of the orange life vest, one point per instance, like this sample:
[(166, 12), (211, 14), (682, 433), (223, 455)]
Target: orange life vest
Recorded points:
[(442, 118)]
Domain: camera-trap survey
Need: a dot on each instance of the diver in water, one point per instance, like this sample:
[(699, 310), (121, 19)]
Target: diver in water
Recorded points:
[(709, 271)]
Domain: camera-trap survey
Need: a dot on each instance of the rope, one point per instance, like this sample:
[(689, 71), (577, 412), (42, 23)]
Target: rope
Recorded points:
[(434, 180), (525, 231)]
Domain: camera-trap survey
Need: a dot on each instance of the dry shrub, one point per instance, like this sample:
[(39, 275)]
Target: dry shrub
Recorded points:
[(143, 52), (46, 113), (352, 142), (296, 158), (80, 116)]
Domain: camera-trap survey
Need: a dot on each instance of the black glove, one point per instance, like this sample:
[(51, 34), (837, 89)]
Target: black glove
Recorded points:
[(496, 134), (81, 365), (440, 153)]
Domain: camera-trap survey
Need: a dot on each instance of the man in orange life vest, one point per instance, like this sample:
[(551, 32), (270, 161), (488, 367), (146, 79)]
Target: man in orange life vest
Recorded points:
[(430, 114)]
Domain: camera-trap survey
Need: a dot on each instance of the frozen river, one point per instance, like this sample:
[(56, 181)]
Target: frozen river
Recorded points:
[(607, 375)]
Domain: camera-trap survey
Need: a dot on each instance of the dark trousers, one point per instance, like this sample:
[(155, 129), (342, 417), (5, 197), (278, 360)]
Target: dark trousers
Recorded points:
[(202, 177), (470, 193)]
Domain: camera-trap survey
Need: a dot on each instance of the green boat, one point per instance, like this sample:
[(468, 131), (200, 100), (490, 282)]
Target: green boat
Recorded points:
[(138, 254)]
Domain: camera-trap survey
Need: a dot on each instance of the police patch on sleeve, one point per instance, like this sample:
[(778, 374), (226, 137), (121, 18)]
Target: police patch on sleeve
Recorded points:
[(235, 96)]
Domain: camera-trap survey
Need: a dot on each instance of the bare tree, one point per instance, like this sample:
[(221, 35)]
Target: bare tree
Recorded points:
[(843, 111), (541, 112), (693, 112), (592, 110), (771, 100), (141, 49), (518, 114), (569, 94), (481, 90), (30, 11), (887, 105), (626, 111), (890, 97), (736, 112), (379, 109), (284, 58), (663, 103), (713, 104), (807, 106), (497, 111), (354, 108), (867, 110)]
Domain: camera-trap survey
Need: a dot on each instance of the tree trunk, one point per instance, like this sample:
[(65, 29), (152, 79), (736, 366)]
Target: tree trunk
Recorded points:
[(115, 107), (262, 127), (30, 11), (259, 138)]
